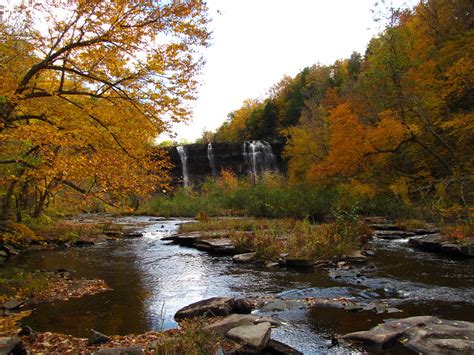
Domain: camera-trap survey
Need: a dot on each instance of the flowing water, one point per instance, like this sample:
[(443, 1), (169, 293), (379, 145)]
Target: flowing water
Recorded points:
[(184, 164), (151, 279), (259, 157), (211, 159)]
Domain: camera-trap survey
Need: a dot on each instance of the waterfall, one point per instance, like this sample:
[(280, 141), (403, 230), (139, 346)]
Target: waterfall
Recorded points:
[(210, 157), (258, 155), (184, 161)]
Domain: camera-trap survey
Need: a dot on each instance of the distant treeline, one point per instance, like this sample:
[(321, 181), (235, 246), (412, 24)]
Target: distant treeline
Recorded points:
[(398, 118)]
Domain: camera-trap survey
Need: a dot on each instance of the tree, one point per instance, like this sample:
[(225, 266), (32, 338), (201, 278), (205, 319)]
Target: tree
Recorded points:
[(82, 99)]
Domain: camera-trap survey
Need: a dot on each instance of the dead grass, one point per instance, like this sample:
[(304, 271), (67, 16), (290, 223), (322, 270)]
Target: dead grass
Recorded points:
[(300, 239), (459, 233), (410, 224), (189, 339)]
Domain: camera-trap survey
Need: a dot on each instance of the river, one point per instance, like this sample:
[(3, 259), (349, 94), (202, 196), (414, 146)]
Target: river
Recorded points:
[(151, 279)]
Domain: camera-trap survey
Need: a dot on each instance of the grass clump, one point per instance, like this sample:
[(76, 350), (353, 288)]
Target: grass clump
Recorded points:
[(298, 238), (190, 339), (411, 224)]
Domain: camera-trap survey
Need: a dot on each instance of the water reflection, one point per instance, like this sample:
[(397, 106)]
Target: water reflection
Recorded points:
[(152, 279)]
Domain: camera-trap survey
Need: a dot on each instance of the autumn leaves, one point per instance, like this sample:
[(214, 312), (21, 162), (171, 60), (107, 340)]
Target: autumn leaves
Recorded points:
[(83, 97)]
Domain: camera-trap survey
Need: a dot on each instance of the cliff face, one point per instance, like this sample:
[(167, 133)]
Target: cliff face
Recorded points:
[(202, 160)]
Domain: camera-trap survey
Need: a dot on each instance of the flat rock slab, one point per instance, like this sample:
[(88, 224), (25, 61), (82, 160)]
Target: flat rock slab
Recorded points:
[(356, 256), (296, 262), (244, 258), (254, 336), (186, 239), (237, 320), (11, 305), (437, 243), (280, 305), (423, 334), (393, 234), (217, 245), (211, 307)]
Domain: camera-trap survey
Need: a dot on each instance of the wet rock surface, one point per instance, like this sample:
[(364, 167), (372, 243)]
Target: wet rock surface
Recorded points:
[(237, 320), (222, 246), (399, 281), (253, 336), (423, 334), (211, 307), (96, 338), (437, 243), (244, 258)]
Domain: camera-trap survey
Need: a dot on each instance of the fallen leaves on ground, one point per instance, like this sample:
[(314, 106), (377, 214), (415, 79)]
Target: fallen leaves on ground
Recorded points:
[(63, 289), (9, 324)]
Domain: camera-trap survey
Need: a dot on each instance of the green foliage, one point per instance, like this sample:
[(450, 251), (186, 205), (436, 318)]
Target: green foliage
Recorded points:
[(298, 238), (272, 197)]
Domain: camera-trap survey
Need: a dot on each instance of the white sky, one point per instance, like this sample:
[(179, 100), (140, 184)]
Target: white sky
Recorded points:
[(256, 42)]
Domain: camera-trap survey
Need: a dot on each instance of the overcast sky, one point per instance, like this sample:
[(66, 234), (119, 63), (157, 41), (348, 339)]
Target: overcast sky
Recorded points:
[(256, 42)]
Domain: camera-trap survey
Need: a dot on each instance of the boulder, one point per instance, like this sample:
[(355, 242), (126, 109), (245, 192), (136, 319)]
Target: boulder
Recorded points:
[(237, 320), (243, 306), (211, 307), (422, 334), (277, 347), (96, 338), (253, 336), (11, 305), (11, 345), (356, 256), (244, 258)]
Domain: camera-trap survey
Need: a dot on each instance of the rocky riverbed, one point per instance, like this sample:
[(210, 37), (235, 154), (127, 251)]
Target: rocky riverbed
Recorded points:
[(152, 278)]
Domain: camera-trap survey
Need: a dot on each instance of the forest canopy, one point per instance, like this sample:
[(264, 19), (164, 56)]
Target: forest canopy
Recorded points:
[(398, 118), (85, 88)]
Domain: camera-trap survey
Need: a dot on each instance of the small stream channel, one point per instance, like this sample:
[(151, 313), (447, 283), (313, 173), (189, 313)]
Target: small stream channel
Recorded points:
[(151, 279)]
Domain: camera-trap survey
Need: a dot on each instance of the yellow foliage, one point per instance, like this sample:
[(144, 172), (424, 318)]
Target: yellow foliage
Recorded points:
[(228, 180), (400, 188), (9, 324), (82, 110)]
